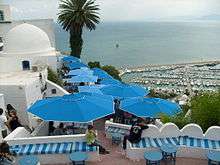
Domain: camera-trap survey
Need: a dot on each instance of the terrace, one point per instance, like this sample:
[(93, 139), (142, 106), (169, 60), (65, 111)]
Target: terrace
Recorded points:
[(192, 157)]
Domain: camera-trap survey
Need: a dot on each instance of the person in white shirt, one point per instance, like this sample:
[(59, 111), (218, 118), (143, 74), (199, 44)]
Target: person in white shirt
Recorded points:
[(3, 123)]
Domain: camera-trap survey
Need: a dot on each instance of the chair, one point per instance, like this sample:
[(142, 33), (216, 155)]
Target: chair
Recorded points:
[(116, 138), (78, 158), (30, 160), (169, 152), (213, 157), (153, 157)]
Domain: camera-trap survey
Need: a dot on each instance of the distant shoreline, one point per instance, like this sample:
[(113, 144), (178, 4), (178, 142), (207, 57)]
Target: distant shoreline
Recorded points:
[(143, 67)]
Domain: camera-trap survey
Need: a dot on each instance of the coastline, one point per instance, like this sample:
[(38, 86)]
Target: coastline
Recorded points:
[(147, 66)]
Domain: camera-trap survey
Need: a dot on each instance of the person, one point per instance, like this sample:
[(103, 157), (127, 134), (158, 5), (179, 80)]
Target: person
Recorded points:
[(135, 132), (9, 108), (82, 84), (51, 127), (92, 141), (6, 157), (70, 128), (13, 121), (59, 130), (3, 123)]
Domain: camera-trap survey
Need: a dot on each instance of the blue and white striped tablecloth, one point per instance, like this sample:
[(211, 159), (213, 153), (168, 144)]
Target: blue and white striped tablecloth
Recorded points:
[(200, 143), (49, 148), (155, 142)]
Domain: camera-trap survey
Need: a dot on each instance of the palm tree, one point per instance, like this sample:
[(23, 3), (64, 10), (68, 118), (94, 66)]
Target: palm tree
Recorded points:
[(74, 15)]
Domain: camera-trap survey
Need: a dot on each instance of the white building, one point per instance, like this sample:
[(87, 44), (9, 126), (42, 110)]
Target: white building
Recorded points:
[(7, 23), (23, 68)]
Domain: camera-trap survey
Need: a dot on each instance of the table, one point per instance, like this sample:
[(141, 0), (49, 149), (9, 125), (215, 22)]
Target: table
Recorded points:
[(30, 160), (214, 157), (153, 157), (169, 151), (78, 158)]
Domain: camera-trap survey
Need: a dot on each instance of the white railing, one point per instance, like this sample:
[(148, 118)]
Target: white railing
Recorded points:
[(171, 130)]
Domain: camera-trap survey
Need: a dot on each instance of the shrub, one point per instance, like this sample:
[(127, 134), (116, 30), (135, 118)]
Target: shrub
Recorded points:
[(94, 64), (179, 119), (111, 70), (53, 76), (206, 110)]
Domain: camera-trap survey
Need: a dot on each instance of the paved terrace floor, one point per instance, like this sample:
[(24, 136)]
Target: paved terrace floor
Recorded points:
[(116, 158)]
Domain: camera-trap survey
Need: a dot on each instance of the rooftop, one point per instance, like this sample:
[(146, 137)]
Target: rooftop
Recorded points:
[(18, 78)]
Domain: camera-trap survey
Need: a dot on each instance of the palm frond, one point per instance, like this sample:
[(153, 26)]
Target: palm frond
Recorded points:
[(79, 13)]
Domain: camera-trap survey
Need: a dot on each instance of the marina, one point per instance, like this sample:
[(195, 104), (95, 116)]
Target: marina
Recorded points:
[(194, 77)]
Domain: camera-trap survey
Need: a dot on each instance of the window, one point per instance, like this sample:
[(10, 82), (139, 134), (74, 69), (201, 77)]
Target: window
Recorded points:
[(53, 91), (26, 65), (1, 15)]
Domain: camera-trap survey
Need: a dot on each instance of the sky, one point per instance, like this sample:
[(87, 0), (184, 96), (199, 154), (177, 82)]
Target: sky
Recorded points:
[(123, 10)]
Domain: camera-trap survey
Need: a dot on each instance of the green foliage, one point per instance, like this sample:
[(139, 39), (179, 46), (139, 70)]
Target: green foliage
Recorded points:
[(52, 76), (206, 110), (74, 15), (94, 64), (111, 70), (179, 119), (185, 108)]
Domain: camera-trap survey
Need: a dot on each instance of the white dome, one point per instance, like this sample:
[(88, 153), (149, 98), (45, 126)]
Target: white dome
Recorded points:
[(26, 39)]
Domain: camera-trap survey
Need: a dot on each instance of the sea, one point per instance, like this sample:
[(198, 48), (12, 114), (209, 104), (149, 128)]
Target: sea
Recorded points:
[(132, 44)]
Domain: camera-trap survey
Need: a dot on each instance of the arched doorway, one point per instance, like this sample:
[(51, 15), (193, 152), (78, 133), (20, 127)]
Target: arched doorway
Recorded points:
[(26, 65)]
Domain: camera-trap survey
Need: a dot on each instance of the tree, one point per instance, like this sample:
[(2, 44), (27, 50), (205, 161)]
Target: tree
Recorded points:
[(52, 76), (74, 15), (94, 64), (205, 110), (111, 70)]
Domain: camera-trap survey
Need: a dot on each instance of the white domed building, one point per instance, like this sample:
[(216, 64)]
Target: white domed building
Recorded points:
[(26, 55), (26, 47)]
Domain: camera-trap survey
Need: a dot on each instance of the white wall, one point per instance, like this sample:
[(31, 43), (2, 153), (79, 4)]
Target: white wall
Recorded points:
[(171, 130), (2, 101), (7, 62), (42, 129), (59, 90), (15, 95), (21, 97)]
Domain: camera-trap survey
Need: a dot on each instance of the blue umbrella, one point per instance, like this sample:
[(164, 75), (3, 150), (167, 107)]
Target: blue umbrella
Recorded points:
[(98, 95), (110, 82), (82, 78), (75, 65), (80, 108), (91, 88), (149, 107), (124, 90), (70, 59), (81, 71), (101, 73)]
